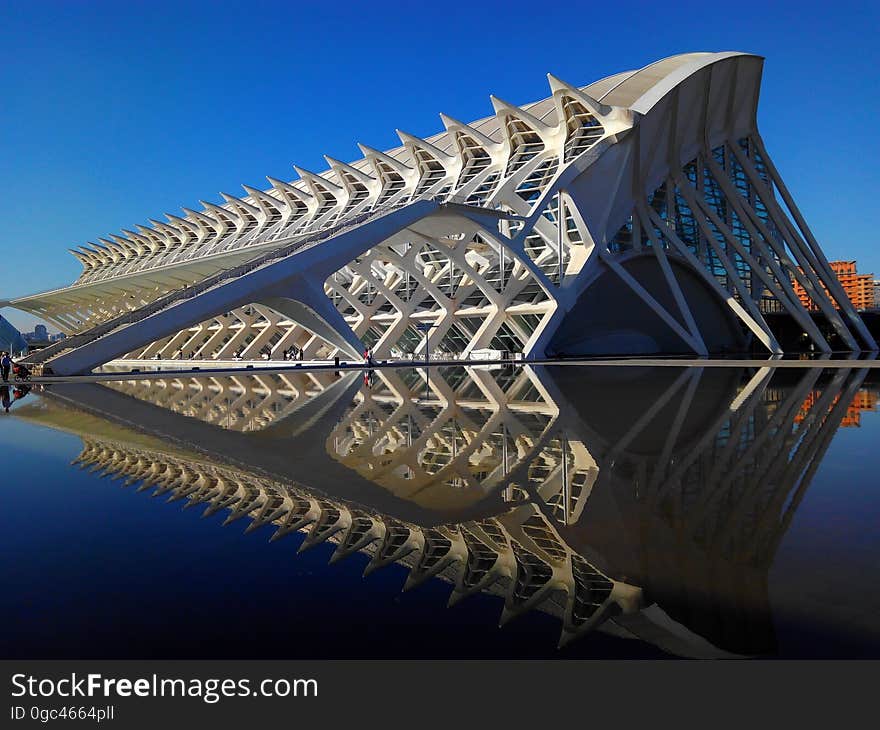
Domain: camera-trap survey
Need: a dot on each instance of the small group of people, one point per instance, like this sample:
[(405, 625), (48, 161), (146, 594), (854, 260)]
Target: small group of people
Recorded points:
[(18, 392), (291, 353), (7, 365)]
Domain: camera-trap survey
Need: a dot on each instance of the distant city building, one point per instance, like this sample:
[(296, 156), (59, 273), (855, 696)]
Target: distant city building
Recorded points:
[(40, 337), (876, 293), (859, 288)]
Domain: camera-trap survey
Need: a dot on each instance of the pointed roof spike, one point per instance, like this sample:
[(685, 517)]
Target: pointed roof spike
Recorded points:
[(108, 244), (85, 249), (96, 260), (183, 223), (162, 225), (102, 252), (169, 232), (287, 188), (313, 178), (128, 243), (196, 215), (147, 233), (115, 248), (557, 84), (503, 107), (239, 203), (205, 224), (152, 238), (337, 556), (252, 525), (337, 165), (223, 212), (275, 182), (263, 197), (137, 237), (507, 615), (183, 231), (372, 153), (595, 106), (453, 125), (409, 139), (373, 566), (414, 578)]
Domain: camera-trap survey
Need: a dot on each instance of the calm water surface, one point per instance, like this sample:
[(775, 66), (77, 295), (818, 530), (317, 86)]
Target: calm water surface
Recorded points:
[(593, 513)]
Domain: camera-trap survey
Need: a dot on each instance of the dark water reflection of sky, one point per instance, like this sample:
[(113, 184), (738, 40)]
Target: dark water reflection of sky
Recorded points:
[(92, 570)]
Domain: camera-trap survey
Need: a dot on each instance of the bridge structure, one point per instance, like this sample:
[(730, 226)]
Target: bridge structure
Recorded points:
[(641, 213), (662, 527)]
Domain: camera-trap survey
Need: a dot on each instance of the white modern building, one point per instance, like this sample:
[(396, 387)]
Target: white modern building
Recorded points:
[(640, 213)]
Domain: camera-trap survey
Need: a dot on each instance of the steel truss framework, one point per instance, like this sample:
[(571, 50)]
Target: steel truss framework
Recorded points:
[(664, 163), (722, 493)]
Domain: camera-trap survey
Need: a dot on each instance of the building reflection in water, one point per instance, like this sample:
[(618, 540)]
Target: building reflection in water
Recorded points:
[(647, 503)]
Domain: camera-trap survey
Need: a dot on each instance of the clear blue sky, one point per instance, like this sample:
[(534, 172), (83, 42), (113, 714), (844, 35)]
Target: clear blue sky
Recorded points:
[(115, 112)]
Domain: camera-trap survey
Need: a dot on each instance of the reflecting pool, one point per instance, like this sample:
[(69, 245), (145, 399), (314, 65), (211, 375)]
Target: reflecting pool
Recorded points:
[(547, 511)]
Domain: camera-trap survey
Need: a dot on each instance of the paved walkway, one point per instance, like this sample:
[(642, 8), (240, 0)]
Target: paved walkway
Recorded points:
[(152, 369)]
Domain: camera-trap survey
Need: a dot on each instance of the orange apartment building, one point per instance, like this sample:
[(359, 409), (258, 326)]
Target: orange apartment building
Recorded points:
[(864, 400), (858, 287)]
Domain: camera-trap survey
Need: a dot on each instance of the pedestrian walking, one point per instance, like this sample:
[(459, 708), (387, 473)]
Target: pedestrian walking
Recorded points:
[(5, 366)]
